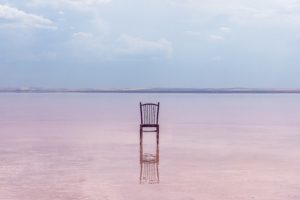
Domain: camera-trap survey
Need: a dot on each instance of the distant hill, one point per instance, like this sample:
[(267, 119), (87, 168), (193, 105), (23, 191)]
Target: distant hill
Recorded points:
[(149, 90)]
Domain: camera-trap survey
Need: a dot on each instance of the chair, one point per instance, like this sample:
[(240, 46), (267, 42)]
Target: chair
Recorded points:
[(149, 119)]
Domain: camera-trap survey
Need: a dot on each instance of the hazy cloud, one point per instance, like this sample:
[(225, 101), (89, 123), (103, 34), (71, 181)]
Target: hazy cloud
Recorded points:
[(216, 37), (75, 4), (193, 33), (130, 45), (86, 46), (225, 29), (94, 46), (13, 17), (81, 35), (242, 11), (248, 38)]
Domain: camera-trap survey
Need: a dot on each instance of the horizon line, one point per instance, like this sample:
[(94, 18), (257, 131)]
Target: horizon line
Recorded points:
[(150, 90)]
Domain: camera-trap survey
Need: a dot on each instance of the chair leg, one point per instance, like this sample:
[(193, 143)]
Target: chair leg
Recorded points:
[(141, 154), (141, 170), (157, 135), (157, 153), (141, 135), (157, 172)]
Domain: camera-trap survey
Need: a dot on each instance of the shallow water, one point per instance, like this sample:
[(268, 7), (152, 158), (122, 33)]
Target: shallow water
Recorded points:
[(212, 146)]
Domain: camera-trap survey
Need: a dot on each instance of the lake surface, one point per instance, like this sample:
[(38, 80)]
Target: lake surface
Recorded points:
[(212, 147)]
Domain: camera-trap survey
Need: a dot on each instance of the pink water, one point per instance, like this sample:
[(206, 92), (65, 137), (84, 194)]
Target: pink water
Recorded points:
[(212, 147)]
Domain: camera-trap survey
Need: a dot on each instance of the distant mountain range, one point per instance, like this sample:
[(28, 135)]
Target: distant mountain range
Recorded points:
[(148, 90)]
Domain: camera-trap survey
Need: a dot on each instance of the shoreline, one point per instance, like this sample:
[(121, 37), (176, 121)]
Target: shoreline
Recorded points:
[(160, 92), (171, 90)]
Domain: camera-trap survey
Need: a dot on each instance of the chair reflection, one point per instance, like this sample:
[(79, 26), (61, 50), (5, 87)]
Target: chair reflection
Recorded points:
[(149, 162)]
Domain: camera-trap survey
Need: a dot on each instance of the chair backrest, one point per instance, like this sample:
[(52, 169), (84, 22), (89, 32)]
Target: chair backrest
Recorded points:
[(149, 113)]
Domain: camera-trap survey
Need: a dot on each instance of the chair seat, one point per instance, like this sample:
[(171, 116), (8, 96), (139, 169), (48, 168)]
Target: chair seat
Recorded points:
[(149, 125)]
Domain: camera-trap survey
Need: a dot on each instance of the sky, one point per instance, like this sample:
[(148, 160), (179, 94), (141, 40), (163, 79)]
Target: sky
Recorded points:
[(157, 43)]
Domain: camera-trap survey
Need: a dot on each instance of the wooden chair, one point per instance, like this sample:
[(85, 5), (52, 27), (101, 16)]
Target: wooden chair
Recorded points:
[(149, 119)]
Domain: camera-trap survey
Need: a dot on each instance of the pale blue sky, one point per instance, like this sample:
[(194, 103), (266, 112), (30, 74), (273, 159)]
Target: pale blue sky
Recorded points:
[(157, 43)]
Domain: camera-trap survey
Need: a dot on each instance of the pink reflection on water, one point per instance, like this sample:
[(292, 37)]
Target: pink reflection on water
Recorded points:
[(86, 146)]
